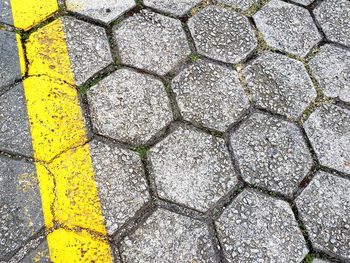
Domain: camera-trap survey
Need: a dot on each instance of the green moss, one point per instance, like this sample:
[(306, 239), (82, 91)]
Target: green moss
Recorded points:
[(309, 258), (198, 8), (84, 88), (262, 45), (142, 151), (255, 8), (217, 134), (194, 57), (138, 3)]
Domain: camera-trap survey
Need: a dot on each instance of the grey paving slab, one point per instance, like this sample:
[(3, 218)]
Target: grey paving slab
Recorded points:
[(259, 228), (324, 207), (243, 5), (120, 181), (280, 84), (151, 42), (174, 7), (14, 124), (334, 18), (129, 106), (6, 13), (9, 62), (102, 10), (331, 67), (222, 34), (40, 254), (210, 95), (303, 2), (271, 153), (88, 48), (20, 205), (287, 27), (167, 237), (328, 129), (192, 168)]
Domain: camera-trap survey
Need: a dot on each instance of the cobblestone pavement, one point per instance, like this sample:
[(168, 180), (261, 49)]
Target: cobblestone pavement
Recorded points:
[(218, 131)]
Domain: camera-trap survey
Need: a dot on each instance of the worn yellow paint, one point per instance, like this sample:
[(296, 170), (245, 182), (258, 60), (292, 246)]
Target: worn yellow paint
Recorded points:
[(59, 138), (47, 53), (76, 193), (27, 13), (77, 247), (55, 116)]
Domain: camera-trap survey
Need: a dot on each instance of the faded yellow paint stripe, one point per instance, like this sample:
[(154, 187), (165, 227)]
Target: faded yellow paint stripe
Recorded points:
[(27, 13), (64, 166)]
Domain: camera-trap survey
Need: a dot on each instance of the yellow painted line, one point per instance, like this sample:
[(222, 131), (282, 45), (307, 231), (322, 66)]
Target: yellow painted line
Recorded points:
[(27, 13), (63, 162)]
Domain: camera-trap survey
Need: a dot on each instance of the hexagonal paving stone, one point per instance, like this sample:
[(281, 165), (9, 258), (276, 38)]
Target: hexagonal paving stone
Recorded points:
[(334, 18), (175, 7), (303, 2), (129, 106), (9, 62), (328, 129), (222, 34), (271, 153), (6, 12), (243, 5), (210, 95), (20, 205), (40, 254), (280, 84), (192, 168), (88, 48), (105, 11), (121, 183), (167, 237), (331, 67), (287, 27), (14, 124), (324, 207), (259, 228), (151, 42)]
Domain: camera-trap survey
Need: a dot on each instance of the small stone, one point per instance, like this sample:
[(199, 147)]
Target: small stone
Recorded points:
[(192, 168), (222, 34), (14, 124), (280, 84), (88, 48), (20, 205), (334, 18), (9, 63), (331, 67), (120, 181), (129, 106), (104, 11), (210, 95), (328, 129), (271, 153), (174, 7), (287, 27), (151, 42), (243, 5), (259, 228), (168, 237), (324, 207)]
